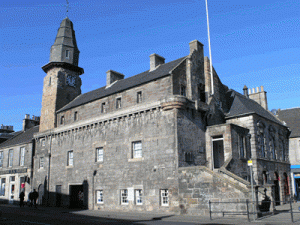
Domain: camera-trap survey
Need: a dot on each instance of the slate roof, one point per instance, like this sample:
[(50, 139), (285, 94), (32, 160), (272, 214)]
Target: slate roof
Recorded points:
[(243, 105), (292, 119), (21, 138), (122, 85)]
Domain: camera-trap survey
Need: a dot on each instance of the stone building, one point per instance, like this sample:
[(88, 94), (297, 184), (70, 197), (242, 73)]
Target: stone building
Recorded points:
[(16, 168), (291, 117), (154, 141), (6, 132)]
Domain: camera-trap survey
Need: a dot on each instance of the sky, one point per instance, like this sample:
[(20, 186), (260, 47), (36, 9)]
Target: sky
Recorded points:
[(254, 43)]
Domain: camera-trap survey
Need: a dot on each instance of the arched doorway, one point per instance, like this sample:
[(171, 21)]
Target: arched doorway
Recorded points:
[(276, 191), (41, 194)]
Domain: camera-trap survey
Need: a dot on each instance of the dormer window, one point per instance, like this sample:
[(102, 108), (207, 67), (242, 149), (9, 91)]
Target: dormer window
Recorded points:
[(182, 90), (67, 54)]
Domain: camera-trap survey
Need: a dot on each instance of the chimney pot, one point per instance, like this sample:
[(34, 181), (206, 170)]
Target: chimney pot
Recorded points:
[(156, 60), (27, 116)]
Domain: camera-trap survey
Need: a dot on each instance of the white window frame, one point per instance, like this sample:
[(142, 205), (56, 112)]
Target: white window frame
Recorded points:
[(137, 151), (22, 156), (10, 157), (124, 197), (139, 197), (1, 159), (2, 186), (70, 158), (99, 154), (99, 197), (164, 197), (41, 163)]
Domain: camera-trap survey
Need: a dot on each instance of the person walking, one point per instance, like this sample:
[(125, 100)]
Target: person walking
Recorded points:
[(22, 196), (35, 196)]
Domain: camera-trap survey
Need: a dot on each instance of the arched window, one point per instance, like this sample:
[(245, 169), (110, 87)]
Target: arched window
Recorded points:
[(282, 145), (265, 177), (261, 139), (272, 141)]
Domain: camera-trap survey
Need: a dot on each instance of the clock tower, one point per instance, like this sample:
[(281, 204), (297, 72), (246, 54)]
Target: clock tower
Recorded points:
[(62, 83)]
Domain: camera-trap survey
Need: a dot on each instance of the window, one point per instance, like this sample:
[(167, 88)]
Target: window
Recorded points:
[(12, 179), (2, 187), (62, 120), (261, 138), (70, 158), (41, 162), (241, 147), (99, 154), (75, 116), (189, 157), (164, 195), (1, 159), (99, 195), (22, 156), (118, 103), (182, 90), (43, 142), (139, 97), (67, 54), (137, 149), (124, 197), (103, 110), (201, 92), (49, 81), (10, 157), (138, 197)]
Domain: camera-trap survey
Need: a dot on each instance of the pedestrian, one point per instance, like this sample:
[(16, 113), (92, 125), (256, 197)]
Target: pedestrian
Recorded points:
[(35, 196), (30, 199), (22, 196)]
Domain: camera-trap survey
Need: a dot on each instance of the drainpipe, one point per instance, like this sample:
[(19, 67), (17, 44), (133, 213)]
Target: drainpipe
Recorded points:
[(94, 174)]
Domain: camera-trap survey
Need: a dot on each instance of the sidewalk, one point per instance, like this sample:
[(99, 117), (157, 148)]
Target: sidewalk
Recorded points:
[(284, 217)]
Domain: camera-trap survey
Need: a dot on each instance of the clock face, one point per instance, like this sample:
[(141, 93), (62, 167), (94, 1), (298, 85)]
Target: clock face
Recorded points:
[(71, 80)]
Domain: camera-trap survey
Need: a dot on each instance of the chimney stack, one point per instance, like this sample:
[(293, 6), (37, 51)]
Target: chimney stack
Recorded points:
[(195, 45), (260, 96), (112, 76), (155, 61), (29, 123), (245, 89)]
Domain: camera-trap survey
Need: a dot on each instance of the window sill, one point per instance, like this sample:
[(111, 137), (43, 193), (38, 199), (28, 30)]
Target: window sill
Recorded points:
[(69, 167), (136, 159)]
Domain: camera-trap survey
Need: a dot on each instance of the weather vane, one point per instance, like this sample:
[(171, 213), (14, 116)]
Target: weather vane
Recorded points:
[(67, 7)]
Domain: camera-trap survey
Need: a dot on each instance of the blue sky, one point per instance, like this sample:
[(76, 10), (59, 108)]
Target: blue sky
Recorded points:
[(253, 43)]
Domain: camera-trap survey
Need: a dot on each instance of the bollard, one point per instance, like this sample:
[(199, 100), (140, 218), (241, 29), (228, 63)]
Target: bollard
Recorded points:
[(209, 204), (292, 218)]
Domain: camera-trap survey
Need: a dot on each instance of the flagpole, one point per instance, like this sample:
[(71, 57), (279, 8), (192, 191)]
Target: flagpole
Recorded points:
[(211, 71)]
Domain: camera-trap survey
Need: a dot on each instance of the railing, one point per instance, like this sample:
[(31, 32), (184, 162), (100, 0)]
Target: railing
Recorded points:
[(287, 211), (246, 203)]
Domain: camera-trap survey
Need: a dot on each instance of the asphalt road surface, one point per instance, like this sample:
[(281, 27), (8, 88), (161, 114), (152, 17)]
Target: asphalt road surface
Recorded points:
[(50, 216)]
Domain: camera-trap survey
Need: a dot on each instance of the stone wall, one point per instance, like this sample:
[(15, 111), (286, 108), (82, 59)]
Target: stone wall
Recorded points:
[(198, 185), (119, 170), (152, 92)]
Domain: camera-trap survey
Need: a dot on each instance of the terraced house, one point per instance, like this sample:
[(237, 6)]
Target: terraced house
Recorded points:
[(16, 168), (158, 140)]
